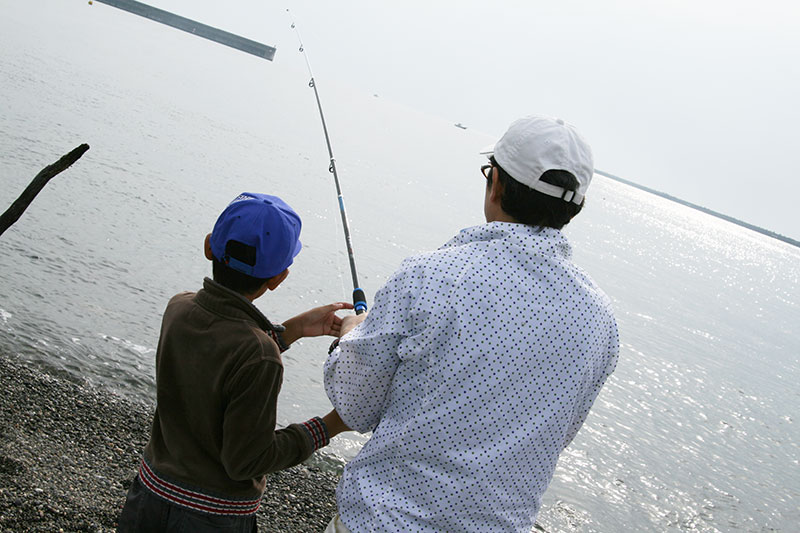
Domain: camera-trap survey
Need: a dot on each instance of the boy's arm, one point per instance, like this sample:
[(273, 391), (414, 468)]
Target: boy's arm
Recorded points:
[(251, 446), (314, 323)]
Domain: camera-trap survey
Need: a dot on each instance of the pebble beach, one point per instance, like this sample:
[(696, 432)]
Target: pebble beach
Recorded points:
[(69, 451)]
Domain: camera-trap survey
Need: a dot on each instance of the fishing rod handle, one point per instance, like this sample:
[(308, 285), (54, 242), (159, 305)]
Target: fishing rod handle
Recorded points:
[(359, 301)]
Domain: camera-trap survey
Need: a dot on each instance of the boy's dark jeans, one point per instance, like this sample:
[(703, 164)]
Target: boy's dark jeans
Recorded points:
[(144, 512)]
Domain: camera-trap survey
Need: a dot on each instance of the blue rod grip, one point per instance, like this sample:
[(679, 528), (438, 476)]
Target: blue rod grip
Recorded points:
[(359, 301)]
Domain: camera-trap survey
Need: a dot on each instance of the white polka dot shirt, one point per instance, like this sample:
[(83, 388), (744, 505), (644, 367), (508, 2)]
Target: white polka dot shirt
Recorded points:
[(475, 368)]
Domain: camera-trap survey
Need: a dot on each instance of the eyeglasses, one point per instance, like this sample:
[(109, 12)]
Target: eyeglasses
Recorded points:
[(487, 171)]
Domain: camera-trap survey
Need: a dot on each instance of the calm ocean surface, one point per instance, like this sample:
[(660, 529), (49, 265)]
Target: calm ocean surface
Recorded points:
[(696, 431)]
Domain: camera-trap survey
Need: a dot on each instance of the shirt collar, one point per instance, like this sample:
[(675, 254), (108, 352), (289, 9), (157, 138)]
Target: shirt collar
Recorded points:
[(543, 241), (223, 301)]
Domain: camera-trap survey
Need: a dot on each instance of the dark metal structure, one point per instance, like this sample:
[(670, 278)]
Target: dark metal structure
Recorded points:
[(196, 28)]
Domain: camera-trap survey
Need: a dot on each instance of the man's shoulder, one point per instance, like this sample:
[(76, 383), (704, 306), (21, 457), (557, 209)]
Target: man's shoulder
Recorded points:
[(433, 263), (467, 245), (460, 245)]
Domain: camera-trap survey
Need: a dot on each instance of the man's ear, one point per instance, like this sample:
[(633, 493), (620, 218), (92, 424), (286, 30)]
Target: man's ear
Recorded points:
[(496, 194), (274, 281), (207, 248)]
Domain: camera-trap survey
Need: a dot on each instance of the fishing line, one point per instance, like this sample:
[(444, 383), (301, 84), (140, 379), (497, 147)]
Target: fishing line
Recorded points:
[(359, 299)]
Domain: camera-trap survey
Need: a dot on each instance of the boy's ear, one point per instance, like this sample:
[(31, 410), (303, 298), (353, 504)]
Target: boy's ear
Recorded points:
[(207, 248), (274, 281), (270, 284)]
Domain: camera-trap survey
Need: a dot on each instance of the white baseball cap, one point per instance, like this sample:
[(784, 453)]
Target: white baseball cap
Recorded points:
[(535, 144)]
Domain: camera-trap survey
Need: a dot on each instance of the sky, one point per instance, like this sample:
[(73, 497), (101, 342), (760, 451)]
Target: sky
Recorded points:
[(695, 98)]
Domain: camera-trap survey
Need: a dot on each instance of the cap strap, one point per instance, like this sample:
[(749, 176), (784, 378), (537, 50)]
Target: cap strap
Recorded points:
[(558, 192), (237, 265)]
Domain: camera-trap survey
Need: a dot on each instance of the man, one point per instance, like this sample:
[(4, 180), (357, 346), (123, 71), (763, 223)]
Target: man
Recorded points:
[(218, 374), (479, 361)]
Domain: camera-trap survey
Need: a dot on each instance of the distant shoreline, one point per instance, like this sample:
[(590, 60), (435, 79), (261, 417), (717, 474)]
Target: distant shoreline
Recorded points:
[(736, 221)]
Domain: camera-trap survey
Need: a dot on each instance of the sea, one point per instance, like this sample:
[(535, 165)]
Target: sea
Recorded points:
[(697, 430)]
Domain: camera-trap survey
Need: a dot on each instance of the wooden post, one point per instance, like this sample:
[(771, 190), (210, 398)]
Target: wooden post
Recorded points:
[(13, 213)]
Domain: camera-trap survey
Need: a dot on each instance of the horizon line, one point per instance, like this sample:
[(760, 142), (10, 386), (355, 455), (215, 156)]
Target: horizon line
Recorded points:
[(728, 218)]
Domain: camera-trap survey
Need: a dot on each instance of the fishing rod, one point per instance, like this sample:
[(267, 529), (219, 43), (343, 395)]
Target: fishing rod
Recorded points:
[(359, 299)]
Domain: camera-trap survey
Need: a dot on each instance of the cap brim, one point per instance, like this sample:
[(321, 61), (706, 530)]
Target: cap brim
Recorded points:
[(487, 151)]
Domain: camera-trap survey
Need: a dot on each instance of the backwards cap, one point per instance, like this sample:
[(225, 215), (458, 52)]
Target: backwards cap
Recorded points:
[(535, 144), (264, 222)]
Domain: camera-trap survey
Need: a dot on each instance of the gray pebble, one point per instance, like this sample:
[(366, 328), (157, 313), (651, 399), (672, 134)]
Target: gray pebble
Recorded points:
[(58, 472)]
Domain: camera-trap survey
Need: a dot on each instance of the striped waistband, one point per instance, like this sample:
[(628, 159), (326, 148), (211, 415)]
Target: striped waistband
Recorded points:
[(193, 499)]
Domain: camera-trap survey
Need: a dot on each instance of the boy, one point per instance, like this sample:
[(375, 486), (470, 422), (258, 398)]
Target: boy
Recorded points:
[(218, 375)]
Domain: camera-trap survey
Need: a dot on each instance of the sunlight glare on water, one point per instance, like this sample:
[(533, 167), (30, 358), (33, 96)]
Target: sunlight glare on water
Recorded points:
[(696, 430)]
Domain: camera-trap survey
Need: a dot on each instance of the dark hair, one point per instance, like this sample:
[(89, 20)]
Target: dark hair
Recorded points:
[(233, 279), (528, 206)]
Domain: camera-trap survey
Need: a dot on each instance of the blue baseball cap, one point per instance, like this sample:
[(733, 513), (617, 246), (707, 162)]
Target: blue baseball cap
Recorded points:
[(264, 222)]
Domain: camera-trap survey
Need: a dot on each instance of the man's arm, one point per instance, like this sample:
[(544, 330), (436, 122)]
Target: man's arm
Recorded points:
[(351, 321), (334, 423), (359, 371)]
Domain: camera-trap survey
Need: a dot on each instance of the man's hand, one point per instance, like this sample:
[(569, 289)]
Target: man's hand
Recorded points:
[(334, 423), (315, 322), (351, 321)]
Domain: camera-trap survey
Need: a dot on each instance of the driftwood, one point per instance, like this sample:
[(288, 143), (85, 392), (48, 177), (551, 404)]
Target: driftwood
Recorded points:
[(13, 213)]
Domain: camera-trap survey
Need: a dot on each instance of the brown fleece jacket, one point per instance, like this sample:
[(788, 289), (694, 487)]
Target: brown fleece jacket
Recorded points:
[(218, 375)]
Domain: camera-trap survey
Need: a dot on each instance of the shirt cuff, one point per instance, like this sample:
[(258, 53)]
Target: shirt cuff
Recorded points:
[(333, 346), (317, 432), (276, 336)]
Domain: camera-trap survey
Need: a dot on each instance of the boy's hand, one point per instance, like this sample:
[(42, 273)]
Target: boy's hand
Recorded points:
[(315, 322)]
